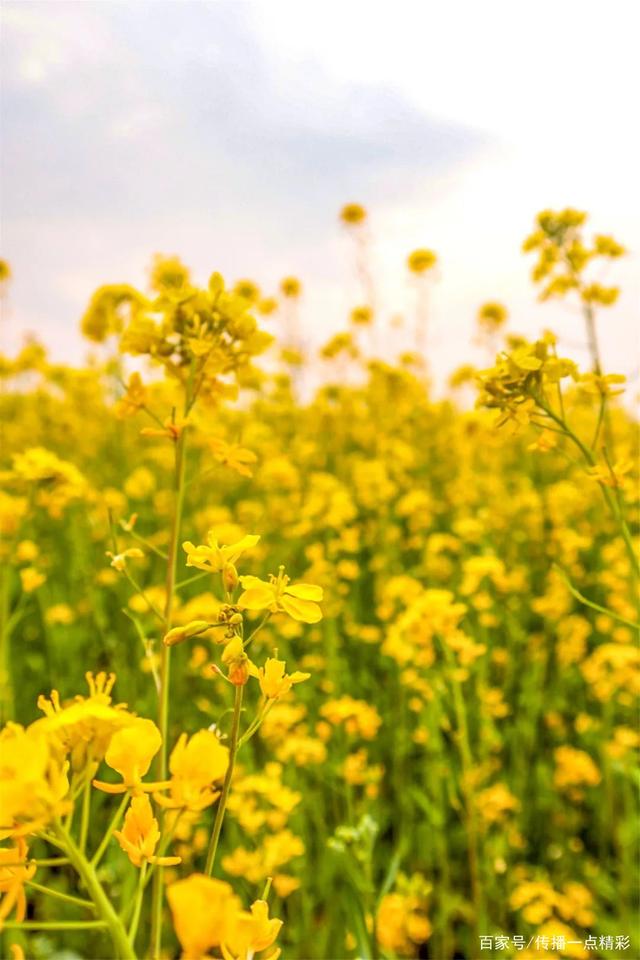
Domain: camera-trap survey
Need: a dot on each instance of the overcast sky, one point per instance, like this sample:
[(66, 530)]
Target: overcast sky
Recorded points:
[(232, 132)]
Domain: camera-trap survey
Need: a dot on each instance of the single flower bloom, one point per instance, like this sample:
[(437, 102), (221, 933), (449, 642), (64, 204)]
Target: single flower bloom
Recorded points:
[(214, 558), (277, 595), (274, 682), (171, 429), (34, 786), (250, 933), (421, 260), (13, 879), (203, 911), (84, 728), (31, 579), (291, 287), (130, 754), (119, 560), (353, 213), (140, 834), (196, 763), (237, 662), (133, 400), (233, 456)]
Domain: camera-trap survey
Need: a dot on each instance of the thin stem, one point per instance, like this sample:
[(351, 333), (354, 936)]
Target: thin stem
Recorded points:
[(222, 802), (185, 583), (610, 501), (592, 337), (135, 920), (595, 606), (86, 810), (165, 671), (257, 629), (148, 544), (104, 843), (601, 411), (104, 908), (46, 862), (255, 725), (136, 586), (50, 892), (56, 925)]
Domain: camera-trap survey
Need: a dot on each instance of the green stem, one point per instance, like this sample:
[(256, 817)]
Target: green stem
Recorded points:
[(117, 817), (165, 673), (86, 810), (136, 586), (50, 892), (6, 685), (255, 725), (257, 629), (595, 606), (603, 404), (185, 583), (147, 543), (609, 500), (135, 920), (104, 908), (56, 925), (222, 802)]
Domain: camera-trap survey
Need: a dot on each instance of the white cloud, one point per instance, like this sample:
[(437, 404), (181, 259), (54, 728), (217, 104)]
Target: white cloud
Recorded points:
[(231, 133)]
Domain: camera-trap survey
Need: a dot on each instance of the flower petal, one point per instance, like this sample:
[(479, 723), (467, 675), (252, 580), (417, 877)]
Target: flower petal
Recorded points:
[(304, 591), (304, 610)]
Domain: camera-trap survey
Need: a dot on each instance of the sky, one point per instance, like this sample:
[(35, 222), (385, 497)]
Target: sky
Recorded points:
[(232, 132)]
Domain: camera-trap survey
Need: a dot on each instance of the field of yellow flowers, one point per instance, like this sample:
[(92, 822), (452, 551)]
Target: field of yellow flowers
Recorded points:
[(342, 675)]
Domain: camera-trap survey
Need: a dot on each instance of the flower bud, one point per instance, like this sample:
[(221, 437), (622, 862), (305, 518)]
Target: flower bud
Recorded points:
[(229, 577), (180, 634)]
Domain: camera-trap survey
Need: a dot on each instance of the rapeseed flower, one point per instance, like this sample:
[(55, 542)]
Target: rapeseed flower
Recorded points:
[(130, 753), (273, 680), (214, 558), (140, 835), (196, 763), (278, 595)]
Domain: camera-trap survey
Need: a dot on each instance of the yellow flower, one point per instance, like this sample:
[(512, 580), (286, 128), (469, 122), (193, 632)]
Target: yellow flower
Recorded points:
[(203, 911), (250, 933), (492, 316), (27, 551), (574, 768), (237, 661), (133, 400), (353, 213), (119, 560), (232, 456), (85, 727), (291, 287), (214, 558), (607, 385), (140, 834), (130, 754), (195, 764), (300, 600), (421, 260), (170, 430), (247, 289), (31, 579), (611, 476), (361, 316), (33, 781), (13, 879), (274, 682)]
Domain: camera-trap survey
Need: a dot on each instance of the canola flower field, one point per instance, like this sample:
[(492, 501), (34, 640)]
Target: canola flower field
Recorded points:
[(343, 675)]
